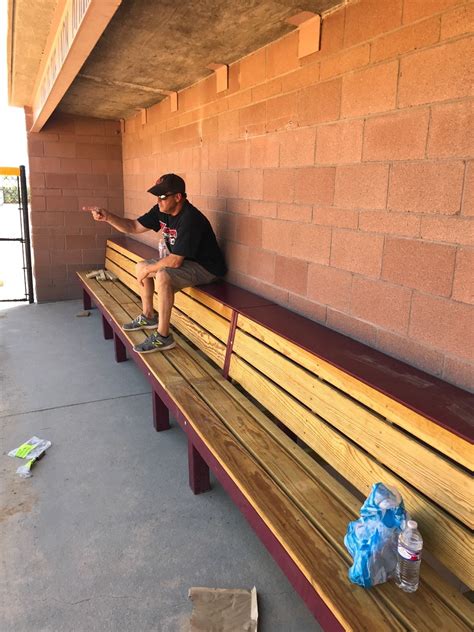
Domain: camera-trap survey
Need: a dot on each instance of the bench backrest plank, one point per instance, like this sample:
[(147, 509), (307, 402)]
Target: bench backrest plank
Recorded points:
[(450, 444)]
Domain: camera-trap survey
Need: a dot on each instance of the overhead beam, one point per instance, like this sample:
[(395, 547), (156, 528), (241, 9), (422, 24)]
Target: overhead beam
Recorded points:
[(78, 30)]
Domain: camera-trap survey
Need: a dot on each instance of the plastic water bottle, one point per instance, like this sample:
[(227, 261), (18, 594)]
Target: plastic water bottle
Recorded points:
[(410, 544)]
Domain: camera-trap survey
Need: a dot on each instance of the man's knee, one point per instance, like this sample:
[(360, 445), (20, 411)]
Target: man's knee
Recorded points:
[(162, 279)]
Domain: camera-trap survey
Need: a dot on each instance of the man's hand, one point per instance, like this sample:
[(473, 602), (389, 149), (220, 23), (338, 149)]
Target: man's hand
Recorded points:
[(99, 214), (143, 272)]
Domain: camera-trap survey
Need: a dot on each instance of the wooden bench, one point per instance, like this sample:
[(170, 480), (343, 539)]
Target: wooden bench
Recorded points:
[(297, 422)]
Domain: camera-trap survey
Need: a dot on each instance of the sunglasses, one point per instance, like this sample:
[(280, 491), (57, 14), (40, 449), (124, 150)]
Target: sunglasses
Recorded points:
[(163, 196)]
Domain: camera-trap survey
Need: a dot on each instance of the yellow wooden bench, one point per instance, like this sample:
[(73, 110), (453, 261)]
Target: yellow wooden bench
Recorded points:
[(246, 378)]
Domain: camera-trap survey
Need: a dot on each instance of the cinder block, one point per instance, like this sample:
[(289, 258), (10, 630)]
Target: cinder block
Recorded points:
[(315, 185), (310, 309), (297, 147), (295, 212), (400, 136), (251, 184), (263, 209), (386, 222), (279, 185), (61, 181), (276, 236), (412, 37), (468, 194), (444, 324), (249, 231), (311, 242), (414, 10), (382, 304), (428, 187), (361, 186), (320, 103), (459, 372), (263, 265), (463, 287), (228, 184), (371, 90), (457, 22), (436, 74), (253, 69), (291, 274), (420, 265), (339, 143), (337, 217), (330, 286), (454, 230), (281, 112), (282, 55), (451, 130), (357, 252), (345, 61), (238, 154), (209, 183), (265, 151), (367, 18)]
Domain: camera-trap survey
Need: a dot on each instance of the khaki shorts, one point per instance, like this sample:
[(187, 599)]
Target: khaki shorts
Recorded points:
[(189, 274)]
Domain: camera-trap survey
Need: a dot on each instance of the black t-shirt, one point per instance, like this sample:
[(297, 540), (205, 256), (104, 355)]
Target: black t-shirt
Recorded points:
[(188, 234)]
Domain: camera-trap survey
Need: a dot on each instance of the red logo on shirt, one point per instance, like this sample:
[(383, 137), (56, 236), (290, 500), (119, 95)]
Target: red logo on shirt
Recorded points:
[(169, 234)]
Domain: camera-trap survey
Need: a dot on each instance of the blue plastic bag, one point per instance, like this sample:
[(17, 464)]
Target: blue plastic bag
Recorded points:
[(372, 539)]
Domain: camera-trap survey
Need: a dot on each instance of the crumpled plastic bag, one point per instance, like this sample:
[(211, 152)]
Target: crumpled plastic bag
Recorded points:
[(372, 539)]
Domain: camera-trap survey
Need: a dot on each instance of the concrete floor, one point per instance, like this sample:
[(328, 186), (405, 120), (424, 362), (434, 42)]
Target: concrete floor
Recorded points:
[(107, 535)]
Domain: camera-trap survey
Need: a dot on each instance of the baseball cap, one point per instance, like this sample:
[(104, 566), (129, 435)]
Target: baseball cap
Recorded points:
[(168, 183)]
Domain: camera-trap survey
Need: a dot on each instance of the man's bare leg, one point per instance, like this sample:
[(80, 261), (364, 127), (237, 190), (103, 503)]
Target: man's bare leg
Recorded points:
[(165, 301), (146, 293)]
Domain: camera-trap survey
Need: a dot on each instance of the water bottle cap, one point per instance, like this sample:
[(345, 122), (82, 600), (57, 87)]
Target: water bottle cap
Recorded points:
[(412, 524)]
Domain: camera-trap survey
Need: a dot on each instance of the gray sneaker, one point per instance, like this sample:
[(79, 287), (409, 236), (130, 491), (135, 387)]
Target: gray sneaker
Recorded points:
[(141, 322), (155, 342)]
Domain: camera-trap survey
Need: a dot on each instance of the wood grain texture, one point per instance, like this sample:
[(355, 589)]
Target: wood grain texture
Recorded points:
[(300, 501), (444, 482), (449, 541), (438, 437)]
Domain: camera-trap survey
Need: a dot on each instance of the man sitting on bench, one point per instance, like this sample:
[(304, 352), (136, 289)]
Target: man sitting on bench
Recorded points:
[(192, 256)]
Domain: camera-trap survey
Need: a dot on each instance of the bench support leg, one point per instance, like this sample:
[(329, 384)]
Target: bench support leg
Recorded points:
[(86, 300), (199, 480), (161, 415), (120, 350), (107, 329)]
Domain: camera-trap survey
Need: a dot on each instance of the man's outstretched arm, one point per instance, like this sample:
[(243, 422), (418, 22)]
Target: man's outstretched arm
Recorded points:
[(124, 225)]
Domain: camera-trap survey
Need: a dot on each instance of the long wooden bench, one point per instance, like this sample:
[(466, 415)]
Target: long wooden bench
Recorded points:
[(297, 422)]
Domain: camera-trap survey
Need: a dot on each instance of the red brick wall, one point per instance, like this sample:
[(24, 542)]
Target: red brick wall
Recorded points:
[(73, 162), (339, 184)]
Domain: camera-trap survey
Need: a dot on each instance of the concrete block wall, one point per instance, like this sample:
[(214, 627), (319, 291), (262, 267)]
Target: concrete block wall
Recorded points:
[(73, 161), (340, 184)]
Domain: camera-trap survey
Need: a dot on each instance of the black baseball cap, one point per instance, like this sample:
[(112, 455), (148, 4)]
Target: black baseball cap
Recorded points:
[(168, 183)]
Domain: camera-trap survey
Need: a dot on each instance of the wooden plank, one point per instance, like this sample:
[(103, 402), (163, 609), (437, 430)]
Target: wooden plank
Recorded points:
[(209, 301), (127, 279), (205, 341), (320, 506), (120, 260), (446, 442), (327, 572), (124, 251), (449, 541), (435, 476), (206, 318)]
